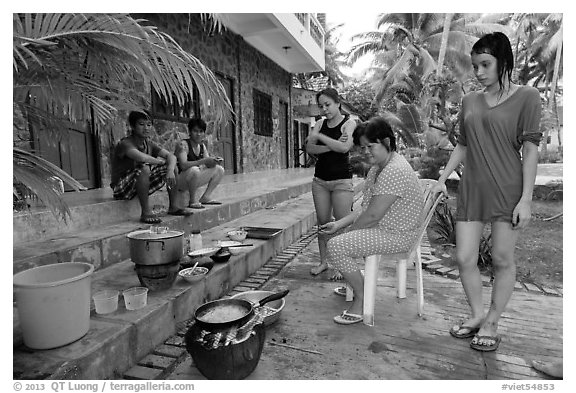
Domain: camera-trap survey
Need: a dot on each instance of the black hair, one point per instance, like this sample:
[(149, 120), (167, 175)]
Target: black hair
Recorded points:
[(358, 132), (134, 116), (498, 45), (377, 130), (194, 122), (332, 93)]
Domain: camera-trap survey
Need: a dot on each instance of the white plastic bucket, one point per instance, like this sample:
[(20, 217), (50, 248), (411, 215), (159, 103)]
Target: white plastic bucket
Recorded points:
[(53, 303), (106, 301), (135, 298)]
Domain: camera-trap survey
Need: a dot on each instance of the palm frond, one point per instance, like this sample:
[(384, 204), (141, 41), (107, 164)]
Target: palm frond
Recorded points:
[(124, 45), (38, 175)]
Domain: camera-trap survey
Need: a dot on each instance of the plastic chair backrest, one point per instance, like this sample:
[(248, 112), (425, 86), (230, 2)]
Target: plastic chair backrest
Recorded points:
[(430, 201)]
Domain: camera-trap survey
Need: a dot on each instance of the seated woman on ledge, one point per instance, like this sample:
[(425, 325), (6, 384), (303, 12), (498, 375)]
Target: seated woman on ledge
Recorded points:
[(388, 221)]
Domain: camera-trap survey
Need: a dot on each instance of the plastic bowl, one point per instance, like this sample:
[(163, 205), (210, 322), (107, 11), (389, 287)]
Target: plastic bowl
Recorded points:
[(135, 298), (106, 301), (238, 236), (199, 274), (273, 308)]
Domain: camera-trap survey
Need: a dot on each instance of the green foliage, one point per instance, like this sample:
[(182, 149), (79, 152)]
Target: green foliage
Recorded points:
[(432, 161), (443, 223), (360, 95), (485, 252)]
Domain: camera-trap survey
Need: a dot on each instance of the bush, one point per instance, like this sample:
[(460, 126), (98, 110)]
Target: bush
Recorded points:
[(432, 161)]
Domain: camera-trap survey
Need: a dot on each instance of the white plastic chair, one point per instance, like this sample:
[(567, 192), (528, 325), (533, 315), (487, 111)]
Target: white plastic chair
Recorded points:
[(401, 259)]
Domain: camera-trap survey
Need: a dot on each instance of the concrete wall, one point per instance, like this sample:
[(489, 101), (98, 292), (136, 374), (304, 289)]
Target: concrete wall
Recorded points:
[(229, 55)]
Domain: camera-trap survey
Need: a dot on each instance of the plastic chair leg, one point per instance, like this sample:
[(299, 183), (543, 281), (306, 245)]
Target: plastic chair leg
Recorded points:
[(370, 280), (401, 278), (419, 283)]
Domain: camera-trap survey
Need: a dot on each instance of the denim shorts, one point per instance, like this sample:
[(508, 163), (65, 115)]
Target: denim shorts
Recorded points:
[(332, 185)]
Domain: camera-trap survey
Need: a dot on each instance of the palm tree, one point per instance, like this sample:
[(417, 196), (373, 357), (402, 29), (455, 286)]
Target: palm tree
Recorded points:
[(68, 66), (333, 58), (405, 50), (412, 41)]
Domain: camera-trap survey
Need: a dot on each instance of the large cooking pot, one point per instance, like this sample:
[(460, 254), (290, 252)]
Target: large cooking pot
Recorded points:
[(149, 248), (234, 361), (228, 313)]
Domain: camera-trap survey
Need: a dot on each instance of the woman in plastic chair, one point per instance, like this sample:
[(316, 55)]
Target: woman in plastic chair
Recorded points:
[(388, 221)]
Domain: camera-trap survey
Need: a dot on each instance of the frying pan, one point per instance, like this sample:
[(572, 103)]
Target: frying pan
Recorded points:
[(246, 309)]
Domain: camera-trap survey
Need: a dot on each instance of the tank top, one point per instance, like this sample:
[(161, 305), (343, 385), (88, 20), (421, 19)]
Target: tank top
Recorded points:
[(191, 155), (333, 165)]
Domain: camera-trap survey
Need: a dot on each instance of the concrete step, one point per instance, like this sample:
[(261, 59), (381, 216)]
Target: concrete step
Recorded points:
[(117, 341), (106, 244), (97, 207)]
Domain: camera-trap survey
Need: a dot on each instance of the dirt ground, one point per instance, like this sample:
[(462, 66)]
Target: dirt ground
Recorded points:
[(539, 249)]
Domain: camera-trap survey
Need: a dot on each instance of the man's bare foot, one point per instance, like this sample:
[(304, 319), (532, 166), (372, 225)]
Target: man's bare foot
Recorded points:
[(553, 369), (318, 269)]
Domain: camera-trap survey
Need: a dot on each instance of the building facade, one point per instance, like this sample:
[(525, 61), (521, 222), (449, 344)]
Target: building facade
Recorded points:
[(253, 57)]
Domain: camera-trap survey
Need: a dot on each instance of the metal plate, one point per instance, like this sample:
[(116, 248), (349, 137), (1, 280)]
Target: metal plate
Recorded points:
[(261, 232)]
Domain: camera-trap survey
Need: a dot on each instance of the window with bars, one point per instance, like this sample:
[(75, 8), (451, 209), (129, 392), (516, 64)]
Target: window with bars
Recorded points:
[(174, 111), (262, 113)]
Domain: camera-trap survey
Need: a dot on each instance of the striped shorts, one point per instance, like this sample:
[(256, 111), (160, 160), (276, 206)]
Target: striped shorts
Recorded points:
[(125, 188)]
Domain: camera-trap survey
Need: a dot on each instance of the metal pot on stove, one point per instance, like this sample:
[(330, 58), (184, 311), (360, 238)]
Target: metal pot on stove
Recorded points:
[(150, 248), (228, 336)]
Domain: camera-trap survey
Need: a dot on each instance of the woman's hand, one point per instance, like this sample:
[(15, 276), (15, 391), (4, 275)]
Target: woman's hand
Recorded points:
[(330, 227), (440, 187), (343, 138), (521, 214)]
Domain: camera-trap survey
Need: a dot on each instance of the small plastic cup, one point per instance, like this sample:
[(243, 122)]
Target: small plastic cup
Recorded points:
[(135, 298), (106, 301)]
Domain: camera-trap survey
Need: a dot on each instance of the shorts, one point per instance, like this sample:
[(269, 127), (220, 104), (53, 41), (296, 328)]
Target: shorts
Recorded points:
[(332, 185), (125, 188)]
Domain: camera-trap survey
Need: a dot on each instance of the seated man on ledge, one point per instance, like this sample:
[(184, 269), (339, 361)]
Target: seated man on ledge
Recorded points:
[(141, 167), (196, 166)]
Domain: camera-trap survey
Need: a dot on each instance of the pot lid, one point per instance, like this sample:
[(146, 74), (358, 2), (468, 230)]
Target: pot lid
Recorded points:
[(145, 234)]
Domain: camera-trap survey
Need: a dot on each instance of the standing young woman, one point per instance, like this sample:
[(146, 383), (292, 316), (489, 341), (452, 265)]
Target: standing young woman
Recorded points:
[(497, 183), (330, 141)]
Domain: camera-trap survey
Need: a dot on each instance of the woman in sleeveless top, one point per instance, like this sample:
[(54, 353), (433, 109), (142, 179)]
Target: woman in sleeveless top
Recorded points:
[(330, 141), (497, 183)]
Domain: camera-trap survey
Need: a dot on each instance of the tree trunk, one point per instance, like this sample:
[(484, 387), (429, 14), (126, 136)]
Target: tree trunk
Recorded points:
[(444, 44), (552, 97)]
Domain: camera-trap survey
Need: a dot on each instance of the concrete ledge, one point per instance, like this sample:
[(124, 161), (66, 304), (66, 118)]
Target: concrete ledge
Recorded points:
[(117, 341), (106, 245), (97, 207)]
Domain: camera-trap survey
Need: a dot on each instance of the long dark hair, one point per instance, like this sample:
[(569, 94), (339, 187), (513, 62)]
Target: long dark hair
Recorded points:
[(498, 45)]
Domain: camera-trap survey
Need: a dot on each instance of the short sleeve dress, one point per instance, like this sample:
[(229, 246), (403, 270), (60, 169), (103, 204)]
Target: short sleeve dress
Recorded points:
[(397, 178), (491, 183)]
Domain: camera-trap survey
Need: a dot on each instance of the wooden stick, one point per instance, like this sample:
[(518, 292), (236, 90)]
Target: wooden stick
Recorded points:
[(553, 217), (296, 348)]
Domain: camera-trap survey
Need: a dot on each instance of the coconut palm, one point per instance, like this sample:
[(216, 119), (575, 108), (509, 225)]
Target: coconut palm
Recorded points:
[(70, 67), (413, 41), (333, 59)]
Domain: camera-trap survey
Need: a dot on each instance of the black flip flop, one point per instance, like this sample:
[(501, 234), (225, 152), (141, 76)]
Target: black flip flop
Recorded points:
[(150, 220), (211, 203), (180, 212), (470, 333)]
